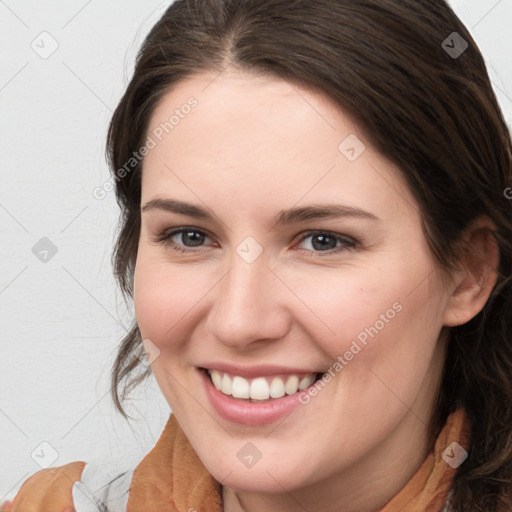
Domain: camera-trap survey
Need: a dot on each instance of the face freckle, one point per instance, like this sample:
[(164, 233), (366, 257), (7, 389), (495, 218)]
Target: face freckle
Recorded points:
[(359, 299)]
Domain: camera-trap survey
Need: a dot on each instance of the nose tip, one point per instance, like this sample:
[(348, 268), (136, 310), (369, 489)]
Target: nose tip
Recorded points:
[(247, 306)]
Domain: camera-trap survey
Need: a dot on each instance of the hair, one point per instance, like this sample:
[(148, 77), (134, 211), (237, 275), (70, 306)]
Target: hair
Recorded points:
[(433, 114)]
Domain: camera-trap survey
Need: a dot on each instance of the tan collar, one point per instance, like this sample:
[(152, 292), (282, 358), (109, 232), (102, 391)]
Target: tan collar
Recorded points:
[(427, 490), (173, 479)]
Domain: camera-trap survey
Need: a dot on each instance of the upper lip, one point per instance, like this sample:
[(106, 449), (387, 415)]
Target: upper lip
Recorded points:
[(250, 372)]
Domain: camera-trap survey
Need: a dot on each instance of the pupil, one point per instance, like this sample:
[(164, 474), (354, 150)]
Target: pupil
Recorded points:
[(195, 237), (324, 242)]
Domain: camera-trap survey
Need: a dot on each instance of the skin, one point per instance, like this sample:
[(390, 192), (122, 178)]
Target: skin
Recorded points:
[(254, 146)]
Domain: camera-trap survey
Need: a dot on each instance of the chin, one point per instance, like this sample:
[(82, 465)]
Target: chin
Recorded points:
[(265, 477), (260, 482)]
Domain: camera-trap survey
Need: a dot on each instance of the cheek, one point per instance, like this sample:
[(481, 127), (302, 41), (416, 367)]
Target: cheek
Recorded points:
[(337, 306), (376, 318), (166, 298)]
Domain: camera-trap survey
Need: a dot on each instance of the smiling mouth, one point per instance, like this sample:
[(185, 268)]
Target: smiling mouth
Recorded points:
[(260, 389)]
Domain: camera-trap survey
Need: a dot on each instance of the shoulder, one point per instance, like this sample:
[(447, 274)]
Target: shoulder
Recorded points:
[(48, 489), (77, 486)]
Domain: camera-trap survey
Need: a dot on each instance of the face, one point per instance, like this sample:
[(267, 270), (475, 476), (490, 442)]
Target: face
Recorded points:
[(284, 247)]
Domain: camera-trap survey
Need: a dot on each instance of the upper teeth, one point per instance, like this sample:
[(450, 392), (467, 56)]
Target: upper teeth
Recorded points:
[(260, 388)]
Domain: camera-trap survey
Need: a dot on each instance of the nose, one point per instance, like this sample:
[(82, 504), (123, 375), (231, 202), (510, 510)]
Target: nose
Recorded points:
[(249, 305)]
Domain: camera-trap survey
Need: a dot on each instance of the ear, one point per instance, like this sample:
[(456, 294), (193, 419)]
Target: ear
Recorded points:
[(474, 280)]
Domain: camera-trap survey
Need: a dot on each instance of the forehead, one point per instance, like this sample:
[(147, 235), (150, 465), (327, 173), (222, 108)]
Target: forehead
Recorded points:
[(240, 113), (261, 137)]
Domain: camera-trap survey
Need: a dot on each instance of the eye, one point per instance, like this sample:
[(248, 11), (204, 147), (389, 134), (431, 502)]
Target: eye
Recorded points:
[(327, 242), (186, 236), (321, 243)]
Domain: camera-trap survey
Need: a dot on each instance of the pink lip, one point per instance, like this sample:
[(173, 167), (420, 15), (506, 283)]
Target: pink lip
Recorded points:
[(248, 413), (257, 371)]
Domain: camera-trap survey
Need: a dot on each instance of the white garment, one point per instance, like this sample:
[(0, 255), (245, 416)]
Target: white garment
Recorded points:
[(101, 490)]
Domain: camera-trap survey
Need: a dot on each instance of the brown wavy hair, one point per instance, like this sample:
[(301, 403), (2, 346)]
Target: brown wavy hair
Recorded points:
[(432, 113)]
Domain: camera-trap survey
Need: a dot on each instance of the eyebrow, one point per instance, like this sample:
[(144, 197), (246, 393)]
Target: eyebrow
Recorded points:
[(291, 216)]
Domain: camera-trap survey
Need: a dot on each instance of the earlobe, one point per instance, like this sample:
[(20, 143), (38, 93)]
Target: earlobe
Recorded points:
[(474, 281)]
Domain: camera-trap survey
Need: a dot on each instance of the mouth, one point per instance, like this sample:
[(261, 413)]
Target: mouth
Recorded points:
[(260, 389)]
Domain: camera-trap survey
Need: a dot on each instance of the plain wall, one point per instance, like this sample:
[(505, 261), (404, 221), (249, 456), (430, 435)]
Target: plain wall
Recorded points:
[(61, 319)]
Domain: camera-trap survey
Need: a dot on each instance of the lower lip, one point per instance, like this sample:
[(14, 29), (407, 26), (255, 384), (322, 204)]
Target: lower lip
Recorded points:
[(249, 413)]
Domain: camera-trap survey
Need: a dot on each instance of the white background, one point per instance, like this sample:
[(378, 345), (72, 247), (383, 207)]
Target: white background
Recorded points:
[(61, 321)]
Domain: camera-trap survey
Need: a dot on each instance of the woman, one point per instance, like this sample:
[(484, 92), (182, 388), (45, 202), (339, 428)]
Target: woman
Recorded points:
[(316, 233)]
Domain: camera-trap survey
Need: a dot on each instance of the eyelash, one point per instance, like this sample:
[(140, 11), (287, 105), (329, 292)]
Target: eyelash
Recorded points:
[(165, 238)]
